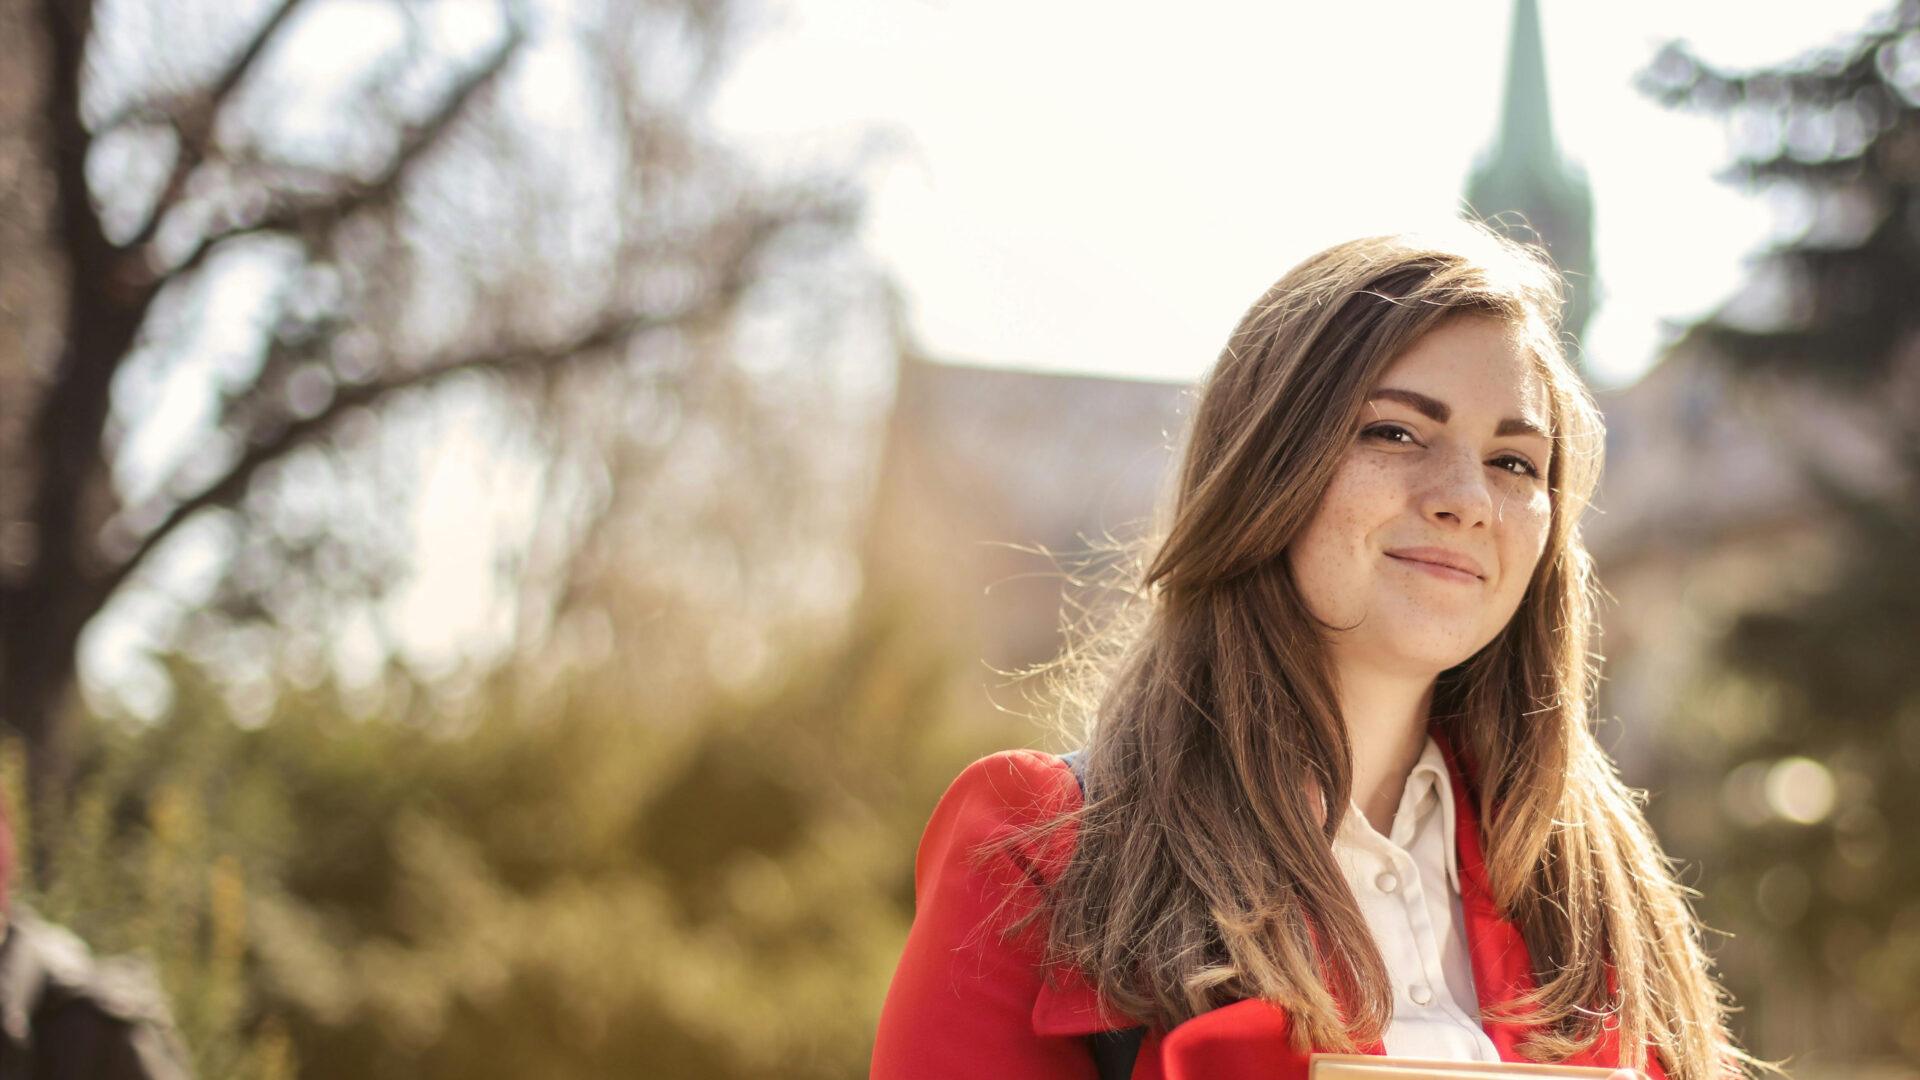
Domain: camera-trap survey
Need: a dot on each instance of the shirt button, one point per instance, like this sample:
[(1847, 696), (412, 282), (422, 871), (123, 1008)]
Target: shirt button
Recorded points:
[(1388, 882), (1420, 994)]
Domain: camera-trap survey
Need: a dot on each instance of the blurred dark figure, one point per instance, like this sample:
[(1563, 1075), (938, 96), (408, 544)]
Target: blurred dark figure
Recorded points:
[(66, 1014)]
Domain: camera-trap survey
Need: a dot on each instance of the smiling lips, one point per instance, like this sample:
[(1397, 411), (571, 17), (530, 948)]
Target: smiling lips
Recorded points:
[(1451, 565)]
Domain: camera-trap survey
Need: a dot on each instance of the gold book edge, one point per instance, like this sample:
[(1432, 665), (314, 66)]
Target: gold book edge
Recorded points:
[(1373, 1067)]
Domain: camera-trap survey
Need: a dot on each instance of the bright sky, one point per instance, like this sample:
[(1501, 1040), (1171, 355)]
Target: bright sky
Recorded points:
[(1096, 187)]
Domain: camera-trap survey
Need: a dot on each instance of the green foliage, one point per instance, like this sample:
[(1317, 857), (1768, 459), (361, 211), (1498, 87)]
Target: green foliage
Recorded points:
[(549, 882)]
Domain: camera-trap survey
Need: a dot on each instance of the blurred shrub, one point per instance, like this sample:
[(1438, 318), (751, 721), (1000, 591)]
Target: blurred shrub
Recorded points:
[(141, 866), (544, 882)]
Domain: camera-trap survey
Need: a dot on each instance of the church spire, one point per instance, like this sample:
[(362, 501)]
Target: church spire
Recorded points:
[(1526, 126), (1524, 173)]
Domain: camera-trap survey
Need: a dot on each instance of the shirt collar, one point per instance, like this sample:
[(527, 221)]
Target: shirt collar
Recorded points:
[(1434, 765), (1429, 769)]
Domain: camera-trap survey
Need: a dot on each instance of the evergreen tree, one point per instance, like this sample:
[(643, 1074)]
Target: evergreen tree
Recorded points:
[(1806, 729)]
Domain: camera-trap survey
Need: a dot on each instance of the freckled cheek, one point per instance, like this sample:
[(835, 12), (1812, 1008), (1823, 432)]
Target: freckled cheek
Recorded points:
[(1361, 493), (1524, 536), (1329, 559)]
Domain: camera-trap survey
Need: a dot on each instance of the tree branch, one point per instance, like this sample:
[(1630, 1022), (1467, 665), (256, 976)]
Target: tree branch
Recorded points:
[(743, 244), (312, 214), (233, 484), (194, 124)]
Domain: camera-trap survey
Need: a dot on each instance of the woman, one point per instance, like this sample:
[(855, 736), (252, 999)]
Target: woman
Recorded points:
[(1372, 596)]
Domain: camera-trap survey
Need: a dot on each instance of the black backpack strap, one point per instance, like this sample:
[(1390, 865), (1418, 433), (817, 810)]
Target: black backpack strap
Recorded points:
[(1113, 1051)]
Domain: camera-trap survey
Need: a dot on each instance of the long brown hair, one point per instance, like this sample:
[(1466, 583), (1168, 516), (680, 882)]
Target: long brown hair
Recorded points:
[(1202, 871)]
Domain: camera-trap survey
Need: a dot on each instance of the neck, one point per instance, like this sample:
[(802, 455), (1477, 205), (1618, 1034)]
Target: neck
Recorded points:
[(1386, 717)]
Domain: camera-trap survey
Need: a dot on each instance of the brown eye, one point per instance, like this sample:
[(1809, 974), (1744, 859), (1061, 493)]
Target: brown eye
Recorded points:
[(1526, 467), (1385, 433)]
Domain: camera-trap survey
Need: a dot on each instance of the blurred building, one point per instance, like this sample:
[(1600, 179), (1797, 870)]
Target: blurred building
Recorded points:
[(996, 484), (1707, 509)]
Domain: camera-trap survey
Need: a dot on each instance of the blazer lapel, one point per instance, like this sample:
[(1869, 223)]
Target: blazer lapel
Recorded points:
[(1502, 967)]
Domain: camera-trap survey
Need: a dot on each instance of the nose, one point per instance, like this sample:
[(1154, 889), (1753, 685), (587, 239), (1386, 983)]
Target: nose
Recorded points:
[(1455, 490)]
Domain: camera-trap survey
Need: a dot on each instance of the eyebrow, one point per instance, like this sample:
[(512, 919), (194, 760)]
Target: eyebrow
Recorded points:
[(1438, 411)]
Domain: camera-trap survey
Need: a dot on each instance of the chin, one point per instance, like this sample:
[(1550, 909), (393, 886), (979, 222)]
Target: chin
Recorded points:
[(1429, 656)]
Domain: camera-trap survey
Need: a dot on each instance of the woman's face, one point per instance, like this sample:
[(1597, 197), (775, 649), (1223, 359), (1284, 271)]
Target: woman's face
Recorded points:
[(1448, 462)]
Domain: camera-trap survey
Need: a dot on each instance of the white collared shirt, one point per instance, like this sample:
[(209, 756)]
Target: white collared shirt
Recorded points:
[(1408, 886)]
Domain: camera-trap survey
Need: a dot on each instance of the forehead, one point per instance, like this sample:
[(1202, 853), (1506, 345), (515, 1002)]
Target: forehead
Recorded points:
[(1479, 366)]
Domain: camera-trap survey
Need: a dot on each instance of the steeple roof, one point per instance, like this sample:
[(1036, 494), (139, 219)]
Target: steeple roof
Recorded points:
[(1524, 173), (1526, 123)]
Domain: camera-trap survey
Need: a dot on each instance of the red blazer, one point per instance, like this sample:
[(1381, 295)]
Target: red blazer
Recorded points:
[(966, 1003)]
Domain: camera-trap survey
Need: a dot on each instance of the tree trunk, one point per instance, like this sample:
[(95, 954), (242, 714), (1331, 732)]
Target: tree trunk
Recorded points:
[(58, 469)]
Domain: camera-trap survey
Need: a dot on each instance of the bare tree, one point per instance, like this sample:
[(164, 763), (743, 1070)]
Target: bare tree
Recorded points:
[(326, 206)]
